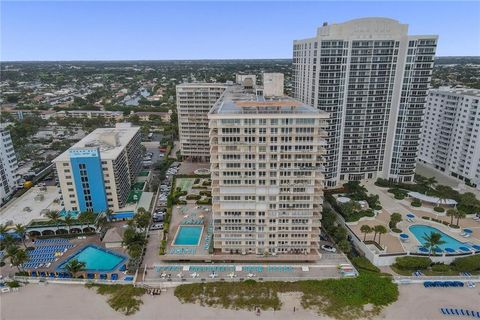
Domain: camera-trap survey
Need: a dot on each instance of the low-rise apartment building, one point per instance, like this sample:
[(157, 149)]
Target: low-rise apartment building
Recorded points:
[(450, 140), (96, 174)]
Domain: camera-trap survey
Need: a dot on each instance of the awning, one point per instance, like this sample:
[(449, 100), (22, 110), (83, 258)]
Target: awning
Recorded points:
[(429, 199)]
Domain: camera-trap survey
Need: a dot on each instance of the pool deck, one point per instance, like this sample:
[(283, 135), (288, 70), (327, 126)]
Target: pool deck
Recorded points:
[(391, 241)]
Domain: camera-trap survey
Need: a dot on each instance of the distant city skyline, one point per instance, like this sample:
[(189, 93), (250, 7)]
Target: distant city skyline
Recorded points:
[(53, 31)]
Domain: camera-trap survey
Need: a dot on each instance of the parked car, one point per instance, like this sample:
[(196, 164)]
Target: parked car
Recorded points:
[(157, 226), (328, 248)]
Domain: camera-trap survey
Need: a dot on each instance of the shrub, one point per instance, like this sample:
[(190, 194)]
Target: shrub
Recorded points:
[(383, 183), (467, 264), (206, 193), (363, 263), (413, 263), (441, 267), (207, 201), (399, 196), (416, 203), (396, 230), (425, 218), (377, 207), (438, 209), (196, 181), (193, 197)]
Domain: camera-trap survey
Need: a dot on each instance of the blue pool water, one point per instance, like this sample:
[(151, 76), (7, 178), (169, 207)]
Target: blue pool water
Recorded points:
[(188, 236), (419, 231), (96, 259)]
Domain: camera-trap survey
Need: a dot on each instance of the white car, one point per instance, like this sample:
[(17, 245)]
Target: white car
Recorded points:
[(157, 226), (328, 248)]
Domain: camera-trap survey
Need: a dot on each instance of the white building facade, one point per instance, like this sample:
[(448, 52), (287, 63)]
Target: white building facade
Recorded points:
[(8, 167), (450, 140), (194, 101), (266, 168), (372, 78)]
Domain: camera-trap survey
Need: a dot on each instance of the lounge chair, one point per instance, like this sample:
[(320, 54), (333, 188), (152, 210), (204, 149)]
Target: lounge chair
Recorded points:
[(114, 276)]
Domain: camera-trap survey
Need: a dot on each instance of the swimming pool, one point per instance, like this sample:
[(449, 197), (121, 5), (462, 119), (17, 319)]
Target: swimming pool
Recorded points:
[(420, 231), (96, 259), (188, 236)]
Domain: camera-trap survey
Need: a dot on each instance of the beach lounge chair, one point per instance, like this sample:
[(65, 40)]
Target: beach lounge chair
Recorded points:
[(114, 276)]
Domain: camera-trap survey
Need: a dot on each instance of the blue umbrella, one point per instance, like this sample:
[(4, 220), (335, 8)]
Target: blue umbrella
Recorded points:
[(404, 236), (476, 247), (422, 249), (449, 250), (410, 215), (467, 230), (464, 249), (438, 250)]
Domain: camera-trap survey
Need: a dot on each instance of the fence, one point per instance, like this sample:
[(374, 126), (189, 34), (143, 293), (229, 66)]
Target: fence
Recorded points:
[(45, 280)]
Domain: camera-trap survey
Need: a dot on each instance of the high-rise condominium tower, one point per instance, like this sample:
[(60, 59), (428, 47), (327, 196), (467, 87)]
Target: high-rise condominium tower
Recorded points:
[(194, 101), (372, 77), (266, 162), (8, 166), (451, 133)]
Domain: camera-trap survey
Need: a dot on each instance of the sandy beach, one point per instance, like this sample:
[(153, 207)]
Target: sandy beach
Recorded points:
[(76, 302)]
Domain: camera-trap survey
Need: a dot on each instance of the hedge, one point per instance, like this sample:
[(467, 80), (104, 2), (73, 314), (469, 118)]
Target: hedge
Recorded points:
[(416, 203), (413, 263), (193, 197), (467, 264), (439, 209)]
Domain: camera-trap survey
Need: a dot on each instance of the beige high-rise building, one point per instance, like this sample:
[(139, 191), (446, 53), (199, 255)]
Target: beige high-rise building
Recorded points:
[(372, 77), (266, 166), (194, 101)]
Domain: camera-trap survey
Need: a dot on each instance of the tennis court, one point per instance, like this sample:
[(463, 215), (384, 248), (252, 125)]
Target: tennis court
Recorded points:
[(184, 183)]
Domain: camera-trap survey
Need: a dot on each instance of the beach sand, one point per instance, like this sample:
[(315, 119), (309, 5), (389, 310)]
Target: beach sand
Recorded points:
[(51, 302)]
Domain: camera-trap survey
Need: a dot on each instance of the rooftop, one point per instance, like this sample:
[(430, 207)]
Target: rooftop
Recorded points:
[(110, 141), (236, 100), (462, 91)]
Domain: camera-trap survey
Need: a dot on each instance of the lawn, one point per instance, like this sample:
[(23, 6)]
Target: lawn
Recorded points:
[(338, 298), (184, 183)]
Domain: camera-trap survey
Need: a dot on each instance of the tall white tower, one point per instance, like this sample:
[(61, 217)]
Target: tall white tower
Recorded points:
[(372, 77)]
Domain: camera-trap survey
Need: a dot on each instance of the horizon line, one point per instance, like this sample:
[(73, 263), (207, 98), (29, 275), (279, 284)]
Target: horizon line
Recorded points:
[(200, 59)]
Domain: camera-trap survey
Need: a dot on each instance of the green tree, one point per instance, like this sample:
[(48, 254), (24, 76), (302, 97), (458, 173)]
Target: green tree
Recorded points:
[(468, 203), (432, 241), (460, 215), (17, 256), (345, 246), (74, 267), (394, 219), (340, 234), (21, 230), (69, 221), (365, 229), (54, 216), (142, 219), (430, 183), (380, 230), (452, 213)]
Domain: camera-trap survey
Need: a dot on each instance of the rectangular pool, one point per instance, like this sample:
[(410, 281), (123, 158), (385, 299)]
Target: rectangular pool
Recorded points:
[(96, 259), (188, 236)]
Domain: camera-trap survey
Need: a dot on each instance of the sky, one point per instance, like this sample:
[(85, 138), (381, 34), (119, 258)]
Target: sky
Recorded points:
[(160, 30)]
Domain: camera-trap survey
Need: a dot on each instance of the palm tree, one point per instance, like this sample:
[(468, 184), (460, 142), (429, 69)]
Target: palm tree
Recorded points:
[(443, 193), (54, 216), (432, 241), (381, 230), (74, 267), (3, 231), (429, 183), (365, 229), (460, 215), (69, 221), (21, 230), (17, 256), (451, 213)]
